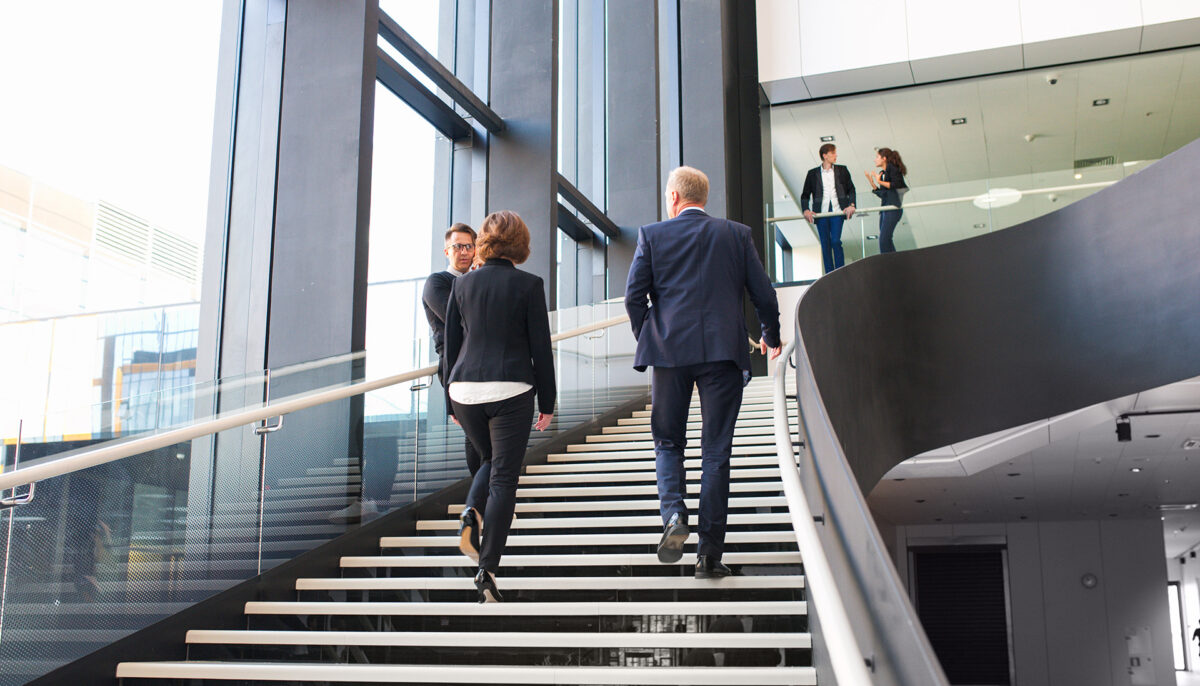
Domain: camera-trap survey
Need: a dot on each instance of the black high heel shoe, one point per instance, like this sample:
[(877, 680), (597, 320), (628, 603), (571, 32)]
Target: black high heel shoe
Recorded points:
[(485, 583), (468, 534)]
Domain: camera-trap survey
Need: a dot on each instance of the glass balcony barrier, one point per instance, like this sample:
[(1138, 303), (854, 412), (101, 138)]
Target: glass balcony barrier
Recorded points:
[(194, 507), (932, 215)]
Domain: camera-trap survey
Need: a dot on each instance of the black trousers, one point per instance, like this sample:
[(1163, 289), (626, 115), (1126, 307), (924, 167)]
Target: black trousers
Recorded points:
[(500, 432), (720, 386)]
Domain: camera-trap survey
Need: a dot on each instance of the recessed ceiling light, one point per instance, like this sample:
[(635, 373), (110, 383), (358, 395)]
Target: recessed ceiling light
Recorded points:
[(1078, 176), (1100, 102), (958, 121), (826, 139), (1135, 470), (981, 226), (1177, 507), (873, 237), (1192, 444), (1153, 435)]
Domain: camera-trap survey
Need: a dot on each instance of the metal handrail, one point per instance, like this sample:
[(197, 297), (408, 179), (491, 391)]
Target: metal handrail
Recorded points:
[(886, 625), (943, 201), (849, 663), (120, 449)]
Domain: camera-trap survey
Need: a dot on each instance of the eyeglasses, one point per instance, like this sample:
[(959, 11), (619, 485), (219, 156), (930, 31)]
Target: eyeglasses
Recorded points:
[(461, 247)]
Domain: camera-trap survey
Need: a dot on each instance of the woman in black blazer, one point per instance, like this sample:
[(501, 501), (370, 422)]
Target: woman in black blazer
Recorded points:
[(889, 185), (497, 357)]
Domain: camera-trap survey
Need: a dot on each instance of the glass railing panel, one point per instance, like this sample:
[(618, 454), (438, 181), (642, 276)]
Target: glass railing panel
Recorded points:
[(938, 213), (108, 550)]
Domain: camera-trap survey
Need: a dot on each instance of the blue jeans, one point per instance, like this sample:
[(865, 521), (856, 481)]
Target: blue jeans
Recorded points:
[(887, 228), (829, 229), (720, 386)]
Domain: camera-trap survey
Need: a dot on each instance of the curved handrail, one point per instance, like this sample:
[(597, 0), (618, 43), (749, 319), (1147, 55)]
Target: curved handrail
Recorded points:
[(112, 451), (865, 579), (846, 657)]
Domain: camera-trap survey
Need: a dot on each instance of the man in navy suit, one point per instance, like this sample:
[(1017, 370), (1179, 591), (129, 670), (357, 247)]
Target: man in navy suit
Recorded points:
[(684, 298)]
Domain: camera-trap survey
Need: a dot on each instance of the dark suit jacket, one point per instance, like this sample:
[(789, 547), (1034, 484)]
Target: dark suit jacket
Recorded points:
[(433, 298), (684, 293), (814, 188), (497, 329)]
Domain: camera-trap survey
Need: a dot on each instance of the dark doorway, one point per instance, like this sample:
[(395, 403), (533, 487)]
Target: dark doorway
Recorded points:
[(961, 598)]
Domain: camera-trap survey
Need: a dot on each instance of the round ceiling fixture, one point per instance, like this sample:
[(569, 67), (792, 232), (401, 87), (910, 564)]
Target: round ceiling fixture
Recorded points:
[(997, 197)]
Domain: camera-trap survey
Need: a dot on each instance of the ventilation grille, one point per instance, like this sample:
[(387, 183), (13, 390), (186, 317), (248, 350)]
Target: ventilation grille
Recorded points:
[(133, 237), (173, 254), (122, 232), (1095, 162)]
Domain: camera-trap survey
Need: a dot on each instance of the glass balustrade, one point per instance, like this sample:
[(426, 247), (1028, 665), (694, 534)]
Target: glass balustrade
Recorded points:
[(108, 550)]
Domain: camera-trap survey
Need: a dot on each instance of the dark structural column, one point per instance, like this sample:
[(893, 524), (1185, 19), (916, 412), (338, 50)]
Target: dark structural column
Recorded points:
[(286, 262), (633, 154), (521, 159), (719, 114)]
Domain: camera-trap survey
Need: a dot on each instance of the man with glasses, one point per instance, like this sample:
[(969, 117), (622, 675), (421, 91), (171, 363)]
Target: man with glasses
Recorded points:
[(460, 253)]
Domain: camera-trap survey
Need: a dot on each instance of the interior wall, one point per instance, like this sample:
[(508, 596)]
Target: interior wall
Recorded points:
[(1064, 634)]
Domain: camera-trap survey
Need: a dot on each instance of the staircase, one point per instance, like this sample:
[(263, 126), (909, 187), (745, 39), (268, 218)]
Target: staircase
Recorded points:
[(587, 602)]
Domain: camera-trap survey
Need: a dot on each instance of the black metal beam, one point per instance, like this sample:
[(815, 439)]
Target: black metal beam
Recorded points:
[(593, 214), (431, 67), (570, 225), (424, 101)]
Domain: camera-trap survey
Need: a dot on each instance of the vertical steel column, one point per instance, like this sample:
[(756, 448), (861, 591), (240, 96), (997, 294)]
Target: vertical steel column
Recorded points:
[(523, 90)]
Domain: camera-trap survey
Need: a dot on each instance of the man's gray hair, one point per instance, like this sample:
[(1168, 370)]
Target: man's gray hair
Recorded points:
[(690, 183)]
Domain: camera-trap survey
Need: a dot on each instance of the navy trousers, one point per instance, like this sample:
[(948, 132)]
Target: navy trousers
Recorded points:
[(720, 386), (888, 220), (500, 432), (829, 231)]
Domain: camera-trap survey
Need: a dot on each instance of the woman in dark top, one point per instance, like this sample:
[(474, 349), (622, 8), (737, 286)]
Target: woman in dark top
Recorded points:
[(889, 185), (497, 356)]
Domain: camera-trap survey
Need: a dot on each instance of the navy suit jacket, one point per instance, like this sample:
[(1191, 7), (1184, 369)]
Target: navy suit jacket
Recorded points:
[(684, 293)]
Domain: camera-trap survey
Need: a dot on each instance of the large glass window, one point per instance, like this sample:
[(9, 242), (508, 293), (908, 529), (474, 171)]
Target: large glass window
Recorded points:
[(105, 140)]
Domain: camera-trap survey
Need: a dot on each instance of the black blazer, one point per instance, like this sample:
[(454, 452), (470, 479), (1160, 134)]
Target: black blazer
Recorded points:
[(895, 194), (497, 329), (814, 188), (433, 298)]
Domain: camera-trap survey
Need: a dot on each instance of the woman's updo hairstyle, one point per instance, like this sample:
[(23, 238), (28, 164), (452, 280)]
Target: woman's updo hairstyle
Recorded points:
[(504, 235)]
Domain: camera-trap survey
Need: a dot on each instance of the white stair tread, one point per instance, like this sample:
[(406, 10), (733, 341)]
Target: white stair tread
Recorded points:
[(552, 583), (643, 422), (613, 505), (595, 560), (584, 539), (601, 456), (484, 674), (609, 435), (646, 440), (648, 489), (605, 522), (756, 427), (645, 465), (563, 609), (503, 639), (643, 475)]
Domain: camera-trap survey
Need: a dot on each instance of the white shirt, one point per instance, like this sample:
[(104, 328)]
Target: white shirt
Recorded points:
[(480, 392), (454, 271), (829, 200)]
